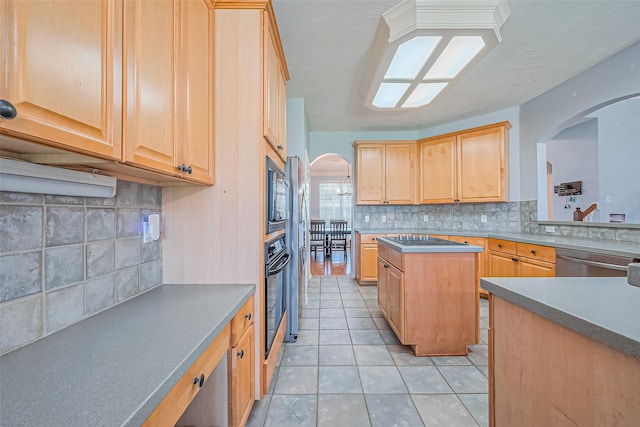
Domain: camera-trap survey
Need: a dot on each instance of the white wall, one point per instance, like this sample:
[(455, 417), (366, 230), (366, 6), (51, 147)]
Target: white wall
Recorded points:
[(297, 128), (619, 152), (574, 156), (544, 116), (314, 203)]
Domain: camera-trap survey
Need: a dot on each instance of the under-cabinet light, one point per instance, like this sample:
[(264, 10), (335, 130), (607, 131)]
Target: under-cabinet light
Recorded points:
[(26, 177)]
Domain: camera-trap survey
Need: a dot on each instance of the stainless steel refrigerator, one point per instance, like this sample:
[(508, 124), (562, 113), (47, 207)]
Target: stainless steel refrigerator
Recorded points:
[(297, 238)]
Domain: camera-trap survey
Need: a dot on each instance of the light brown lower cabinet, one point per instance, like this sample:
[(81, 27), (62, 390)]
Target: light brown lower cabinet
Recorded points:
[(367, 258), (516, 259), (195, 399), (429, 299), (542, 374)]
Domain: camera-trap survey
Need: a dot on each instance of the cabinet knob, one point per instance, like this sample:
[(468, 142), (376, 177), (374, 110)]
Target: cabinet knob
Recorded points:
[(240, 354), (515, 259), (189, 170), (386, 266), (533, 251), (456, 200), (500, 246), (7, 110), (280, 147), (199, 380), (247, 316), (182, 167)]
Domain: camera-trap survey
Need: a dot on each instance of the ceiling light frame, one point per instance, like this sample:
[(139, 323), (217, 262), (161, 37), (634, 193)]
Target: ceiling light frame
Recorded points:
[(446, 19)]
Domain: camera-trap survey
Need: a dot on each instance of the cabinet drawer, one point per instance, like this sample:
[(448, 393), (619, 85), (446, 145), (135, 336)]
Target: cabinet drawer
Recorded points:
[(370, 238), (168, 412), (543, 253), (241, 321), (395, 258), (500, 245)]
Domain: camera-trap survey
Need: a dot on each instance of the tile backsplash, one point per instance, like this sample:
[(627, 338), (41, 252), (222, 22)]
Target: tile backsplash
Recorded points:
[(503, 217), (510, 217), (65, 258)]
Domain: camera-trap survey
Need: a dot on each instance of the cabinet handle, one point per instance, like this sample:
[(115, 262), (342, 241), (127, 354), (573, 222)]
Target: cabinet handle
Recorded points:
[(189, 170), (280, 147), (240, 354), (247, 316), (533, 251), (515, 259), (7, 110), (199, 380), (385, 266), (456, 200)]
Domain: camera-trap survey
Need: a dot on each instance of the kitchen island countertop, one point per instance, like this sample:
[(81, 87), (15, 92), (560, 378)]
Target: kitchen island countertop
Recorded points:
[(604, 309), (431, 248), (114, 368)]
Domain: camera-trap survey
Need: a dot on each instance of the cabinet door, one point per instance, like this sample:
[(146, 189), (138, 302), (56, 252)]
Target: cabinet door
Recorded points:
[(282, 105), (369, 262), (438, 170), (400, 173), (271, 97), (532, 268), (63, 73), (482, 165), (242, 378), (501, 265), (370, 174), (196, 82), (395, 312), (151, 117), (383, 287)]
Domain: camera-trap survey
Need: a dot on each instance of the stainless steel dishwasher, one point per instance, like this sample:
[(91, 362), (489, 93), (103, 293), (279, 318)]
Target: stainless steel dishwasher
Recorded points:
[(572, 263)]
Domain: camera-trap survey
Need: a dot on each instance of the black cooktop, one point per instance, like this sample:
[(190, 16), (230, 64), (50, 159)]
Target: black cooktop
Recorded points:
[(423, 240)]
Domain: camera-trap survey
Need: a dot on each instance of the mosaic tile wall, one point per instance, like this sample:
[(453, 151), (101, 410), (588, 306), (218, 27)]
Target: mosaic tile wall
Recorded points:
[(65, 258)]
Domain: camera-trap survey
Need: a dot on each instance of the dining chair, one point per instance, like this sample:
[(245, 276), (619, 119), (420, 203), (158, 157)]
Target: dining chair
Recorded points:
[(339, 233), (317, 236)]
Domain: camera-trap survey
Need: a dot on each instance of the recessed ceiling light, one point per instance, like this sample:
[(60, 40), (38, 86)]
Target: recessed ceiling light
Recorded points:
[(458, 53), (389, 94), (423, 94), (411, 56)]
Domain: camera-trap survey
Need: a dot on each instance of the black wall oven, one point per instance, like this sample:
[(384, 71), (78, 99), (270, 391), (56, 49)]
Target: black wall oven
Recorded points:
[(277, 197), (276, 259)]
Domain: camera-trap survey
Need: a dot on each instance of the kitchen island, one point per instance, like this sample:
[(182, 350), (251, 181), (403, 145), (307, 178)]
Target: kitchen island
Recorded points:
[(427, 292), (116, 368), (563, 351)]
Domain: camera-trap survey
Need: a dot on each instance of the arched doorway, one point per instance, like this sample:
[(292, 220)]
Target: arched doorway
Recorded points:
[(331, 198)]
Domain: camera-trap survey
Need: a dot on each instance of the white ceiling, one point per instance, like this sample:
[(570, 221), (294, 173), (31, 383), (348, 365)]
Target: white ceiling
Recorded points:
[(545, 42)]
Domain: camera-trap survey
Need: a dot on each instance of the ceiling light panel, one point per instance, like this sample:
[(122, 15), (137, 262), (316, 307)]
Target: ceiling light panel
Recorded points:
[(411, 56), (423, 94), (389, 94), (458, 53)]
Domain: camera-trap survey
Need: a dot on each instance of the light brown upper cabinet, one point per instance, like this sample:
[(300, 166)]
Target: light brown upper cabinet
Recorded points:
[(169, 87), (468, 166), (275, 99), (125, 81), (63, 73), (385, 172)]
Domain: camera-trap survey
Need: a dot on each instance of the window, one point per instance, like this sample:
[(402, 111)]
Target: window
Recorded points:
[(333, 206)]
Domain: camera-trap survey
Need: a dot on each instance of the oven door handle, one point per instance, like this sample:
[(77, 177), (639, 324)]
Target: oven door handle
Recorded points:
[(282, 263)]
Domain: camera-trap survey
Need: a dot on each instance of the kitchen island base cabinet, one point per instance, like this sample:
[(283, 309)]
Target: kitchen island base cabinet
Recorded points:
[(543, 374), (430, 300)]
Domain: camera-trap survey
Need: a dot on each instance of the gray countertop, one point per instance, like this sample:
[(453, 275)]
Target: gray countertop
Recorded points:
[(114, 368), (609, 247), (605, 309), (429, 248)]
